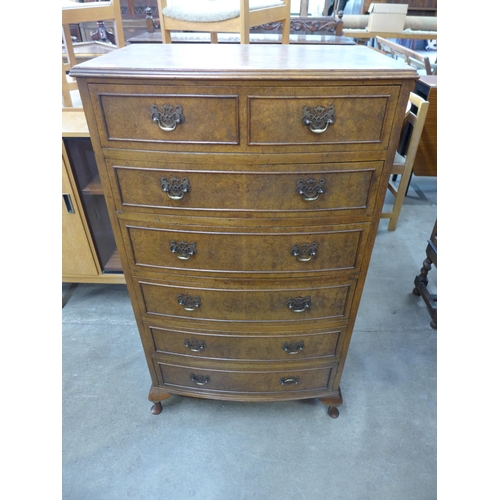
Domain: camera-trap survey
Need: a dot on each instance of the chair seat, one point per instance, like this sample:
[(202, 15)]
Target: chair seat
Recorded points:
[(209, 11)]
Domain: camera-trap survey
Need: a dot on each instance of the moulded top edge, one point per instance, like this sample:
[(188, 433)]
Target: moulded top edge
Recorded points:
[(217, 61)]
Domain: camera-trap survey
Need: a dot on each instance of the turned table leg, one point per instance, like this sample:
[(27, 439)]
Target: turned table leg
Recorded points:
[(421, 280), (333, 402), (156, 396)]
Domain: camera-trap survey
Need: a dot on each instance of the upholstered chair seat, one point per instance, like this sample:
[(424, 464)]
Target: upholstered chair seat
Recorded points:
[(222, 16)]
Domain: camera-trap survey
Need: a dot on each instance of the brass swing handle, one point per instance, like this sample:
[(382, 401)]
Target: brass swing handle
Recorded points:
[(319, 118), (289, 380), (167, 117), (188, 302), (305, 252), (194, 345), (174, 187), (293, 347), (311, 188), (183, 250), (199, 379), (299, 304)]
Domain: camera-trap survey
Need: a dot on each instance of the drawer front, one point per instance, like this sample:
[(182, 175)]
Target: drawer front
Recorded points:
[(200, 379), (355, 116), (151, 246), (254, 348), (345, 188), (268, 302), (133, 115)]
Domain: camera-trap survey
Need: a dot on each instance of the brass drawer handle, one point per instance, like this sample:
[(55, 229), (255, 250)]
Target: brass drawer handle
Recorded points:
[(194, 345), (293, 347), (199, 379), (184, 251), (175, 187), (305, 252), (311, 189), (289, 380), (299, 304), (167, 117), (188, 302), (319, 118)]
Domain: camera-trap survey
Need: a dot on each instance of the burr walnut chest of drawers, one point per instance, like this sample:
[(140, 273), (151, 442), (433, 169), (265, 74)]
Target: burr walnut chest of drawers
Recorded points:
[(244, 184)]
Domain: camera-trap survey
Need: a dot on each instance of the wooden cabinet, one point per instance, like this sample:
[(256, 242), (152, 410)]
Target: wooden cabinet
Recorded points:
[(89, 253), (244, 186)]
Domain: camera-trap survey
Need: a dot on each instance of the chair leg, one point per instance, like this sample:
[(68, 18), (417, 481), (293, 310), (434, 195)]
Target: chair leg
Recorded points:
[(285, 31), (398, 202), (213, 38), (166, 36), (245, 36)]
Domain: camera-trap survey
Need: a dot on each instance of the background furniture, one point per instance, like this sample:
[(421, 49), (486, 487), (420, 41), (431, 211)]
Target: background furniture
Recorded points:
[(425, 163), (421, 280), (415, 7), (244, 185), (89, 252), (74, 13), (413, 58), (403, 163), (182, 17)]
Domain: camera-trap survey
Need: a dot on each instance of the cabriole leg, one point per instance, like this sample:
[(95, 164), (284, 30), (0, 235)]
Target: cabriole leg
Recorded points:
[(156, 396)]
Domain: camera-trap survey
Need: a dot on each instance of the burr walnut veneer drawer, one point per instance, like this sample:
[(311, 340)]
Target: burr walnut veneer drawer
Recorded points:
[(276, 300), (346, 116), (239, 250), (249, 381), (349, 188), (128, 113), (257, 347)]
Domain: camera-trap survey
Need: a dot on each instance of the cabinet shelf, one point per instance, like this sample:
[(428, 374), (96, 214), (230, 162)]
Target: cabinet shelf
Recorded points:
[(114, 264), (94, 187), (90, 254)]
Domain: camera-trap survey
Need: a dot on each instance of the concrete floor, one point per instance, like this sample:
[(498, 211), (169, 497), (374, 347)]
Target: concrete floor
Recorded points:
[(382, 447)]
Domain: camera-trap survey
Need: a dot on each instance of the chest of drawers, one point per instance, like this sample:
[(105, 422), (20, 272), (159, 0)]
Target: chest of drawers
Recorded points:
[(244, 184)]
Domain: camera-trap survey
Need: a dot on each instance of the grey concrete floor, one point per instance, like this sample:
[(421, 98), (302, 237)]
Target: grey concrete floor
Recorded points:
[(382, 446)]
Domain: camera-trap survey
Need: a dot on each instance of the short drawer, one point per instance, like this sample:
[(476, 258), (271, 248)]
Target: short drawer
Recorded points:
[(199, 379), (227, 301), (240, 347), (358, 116), (346, 188), (238, 250), (131, 116)]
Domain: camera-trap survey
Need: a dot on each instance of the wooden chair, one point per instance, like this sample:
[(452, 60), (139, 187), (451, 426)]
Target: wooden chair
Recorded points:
[(75, 13), (418, 61), (214, 17), (403, 165)]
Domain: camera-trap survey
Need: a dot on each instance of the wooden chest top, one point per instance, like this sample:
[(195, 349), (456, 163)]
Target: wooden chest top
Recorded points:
[(295, 62)]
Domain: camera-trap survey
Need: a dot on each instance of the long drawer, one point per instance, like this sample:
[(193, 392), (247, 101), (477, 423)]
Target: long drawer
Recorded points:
[(257, 347), (333, 188), (244, 118), (172, 375), (261, 250), (226, 300)]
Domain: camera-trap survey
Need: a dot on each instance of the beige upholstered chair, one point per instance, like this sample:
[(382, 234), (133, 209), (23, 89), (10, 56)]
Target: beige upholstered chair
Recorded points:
[(222, 16), (403, 165)]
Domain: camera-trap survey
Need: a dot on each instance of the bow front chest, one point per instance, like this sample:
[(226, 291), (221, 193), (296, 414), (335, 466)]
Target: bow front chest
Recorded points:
[(244, 185)]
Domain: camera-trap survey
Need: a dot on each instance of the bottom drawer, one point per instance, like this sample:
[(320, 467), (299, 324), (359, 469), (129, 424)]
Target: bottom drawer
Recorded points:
[(248, 381)]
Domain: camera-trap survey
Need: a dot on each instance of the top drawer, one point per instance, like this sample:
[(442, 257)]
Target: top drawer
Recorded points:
[(245, 119), (157, 117)]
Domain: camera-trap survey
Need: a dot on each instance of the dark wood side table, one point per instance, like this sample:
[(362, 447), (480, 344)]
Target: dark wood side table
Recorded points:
[(421, 280)]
